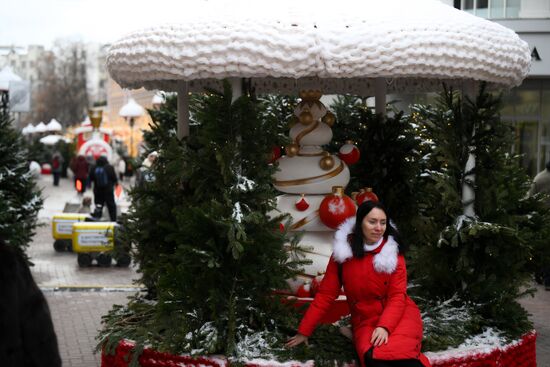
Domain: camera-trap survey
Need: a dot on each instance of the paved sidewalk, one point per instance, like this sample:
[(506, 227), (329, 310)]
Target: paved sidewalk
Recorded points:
[(78, 297), (77, 319), (539, 308)]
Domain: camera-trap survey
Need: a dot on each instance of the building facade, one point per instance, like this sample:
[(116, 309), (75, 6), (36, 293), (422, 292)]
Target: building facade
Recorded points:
[(527, 107)]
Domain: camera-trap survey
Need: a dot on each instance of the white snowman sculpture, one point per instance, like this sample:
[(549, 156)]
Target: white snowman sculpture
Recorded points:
[(308, 176)]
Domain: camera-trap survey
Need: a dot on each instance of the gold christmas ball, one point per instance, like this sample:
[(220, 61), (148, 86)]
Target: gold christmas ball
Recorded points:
[(292, 149), (329, 119), (326, 163), (306, 118)]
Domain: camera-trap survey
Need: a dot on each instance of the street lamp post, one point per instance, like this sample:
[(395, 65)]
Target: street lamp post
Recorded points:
[(130, 111)]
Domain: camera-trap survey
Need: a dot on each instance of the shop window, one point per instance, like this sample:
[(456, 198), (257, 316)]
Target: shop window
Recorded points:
[(493, 9), (527, 144), (528, 103), (544, 145), (512, 8), (545, 99), (496, 9)]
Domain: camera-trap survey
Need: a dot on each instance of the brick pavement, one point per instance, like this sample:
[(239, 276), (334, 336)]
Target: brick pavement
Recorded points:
[(77, 317), (76, 314), (539, 308)]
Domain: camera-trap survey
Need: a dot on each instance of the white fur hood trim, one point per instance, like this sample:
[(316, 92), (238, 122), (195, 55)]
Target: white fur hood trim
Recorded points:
[(384, 262)]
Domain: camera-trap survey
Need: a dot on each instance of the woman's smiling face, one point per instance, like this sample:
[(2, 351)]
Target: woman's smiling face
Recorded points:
[(374, 226)]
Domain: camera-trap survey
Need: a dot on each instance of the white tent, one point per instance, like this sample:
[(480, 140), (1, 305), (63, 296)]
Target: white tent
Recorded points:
[(40, 128), (54, 125), (52, 139), (29, 129)]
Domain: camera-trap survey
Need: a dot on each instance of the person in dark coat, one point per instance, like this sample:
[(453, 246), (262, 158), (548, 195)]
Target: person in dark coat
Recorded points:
[(57, 165), (541, 184), (27, 336), (104, 180), (80, 170), (367, 261)]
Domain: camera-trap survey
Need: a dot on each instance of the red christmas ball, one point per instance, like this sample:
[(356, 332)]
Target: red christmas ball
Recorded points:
[(336, 208), (315, 283), (304, 290), (302, 203), (275, 154), (281, 227), (365, 194), (349, 153)]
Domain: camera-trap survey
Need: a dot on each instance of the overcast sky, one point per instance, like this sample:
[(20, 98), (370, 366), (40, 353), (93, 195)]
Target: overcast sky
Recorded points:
[(25, 22)]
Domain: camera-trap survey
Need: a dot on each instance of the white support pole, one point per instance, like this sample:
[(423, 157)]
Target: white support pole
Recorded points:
[(380, 90), (183, 110), (236, 88), (468, 193)]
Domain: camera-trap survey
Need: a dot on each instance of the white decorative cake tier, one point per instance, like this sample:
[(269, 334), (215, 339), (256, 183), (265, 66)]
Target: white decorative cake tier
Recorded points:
[(303, 175)]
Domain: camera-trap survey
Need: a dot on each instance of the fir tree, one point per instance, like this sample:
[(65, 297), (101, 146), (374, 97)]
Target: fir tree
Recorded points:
[(389, 158), (485, 260), (20, 199), (208, 252)]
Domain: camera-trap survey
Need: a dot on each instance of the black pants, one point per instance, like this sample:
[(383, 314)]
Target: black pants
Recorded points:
[(371, 362), (106, 197), (56, 176)]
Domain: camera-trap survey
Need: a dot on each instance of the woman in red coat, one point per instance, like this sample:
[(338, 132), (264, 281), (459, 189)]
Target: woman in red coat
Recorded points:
[(367, 255)]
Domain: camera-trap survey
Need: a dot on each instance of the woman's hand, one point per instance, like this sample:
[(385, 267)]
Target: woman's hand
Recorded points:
[(296, 340), (379, 337)]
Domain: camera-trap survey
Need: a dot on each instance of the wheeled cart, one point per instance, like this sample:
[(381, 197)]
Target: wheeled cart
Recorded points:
[(97, 241), (62, 230)]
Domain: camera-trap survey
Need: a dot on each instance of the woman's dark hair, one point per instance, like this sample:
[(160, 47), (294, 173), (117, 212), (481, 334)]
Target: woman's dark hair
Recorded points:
[(357, 235)]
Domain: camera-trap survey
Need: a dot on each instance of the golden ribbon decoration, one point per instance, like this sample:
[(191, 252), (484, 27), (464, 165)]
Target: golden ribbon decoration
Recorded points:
[(305, 220), (306, 131), (314, 179)]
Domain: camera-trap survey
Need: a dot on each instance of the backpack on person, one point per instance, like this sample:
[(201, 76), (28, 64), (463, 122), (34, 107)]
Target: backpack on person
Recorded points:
[(55, 163), (101, 178)]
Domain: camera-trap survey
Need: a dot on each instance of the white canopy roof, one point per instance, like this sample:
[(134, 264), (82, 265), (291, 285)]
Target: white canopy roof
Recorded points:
[(54, 125), (29, 129), (131, 109), (40, 128), (288, 45), (52, 139), (6, 76)]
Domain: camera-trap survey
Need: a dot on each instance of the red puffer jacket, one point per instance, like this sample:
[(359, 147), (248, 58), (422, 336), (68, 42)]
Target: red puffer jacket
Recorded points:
[(376, 290)]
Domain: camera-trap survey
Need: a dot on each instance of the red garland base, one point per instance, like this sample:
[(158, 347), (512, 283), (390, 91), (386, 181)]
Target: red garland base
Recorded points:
[(521, 353)]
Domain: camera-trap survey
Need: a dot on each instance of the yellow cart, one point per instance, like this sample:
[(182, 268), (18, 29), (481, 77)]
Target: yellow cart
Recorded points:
[(62, 230), (96, 241)]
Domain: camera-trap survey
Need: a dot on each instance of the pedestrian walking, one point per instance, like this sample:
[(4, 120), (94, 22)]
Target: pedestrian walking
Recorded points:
[(27, 336), (121, 168), (541, 184), (57, 165), (367, 260), (104, 180), (146, 173), (80, 169)]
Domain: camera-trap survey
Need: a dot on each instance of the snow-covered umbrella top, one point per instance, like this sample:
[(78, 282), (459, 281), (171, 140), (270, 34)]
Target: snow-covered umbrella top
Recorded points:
[(54, 125), (291, 45), (40, 128), (29, 129)]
